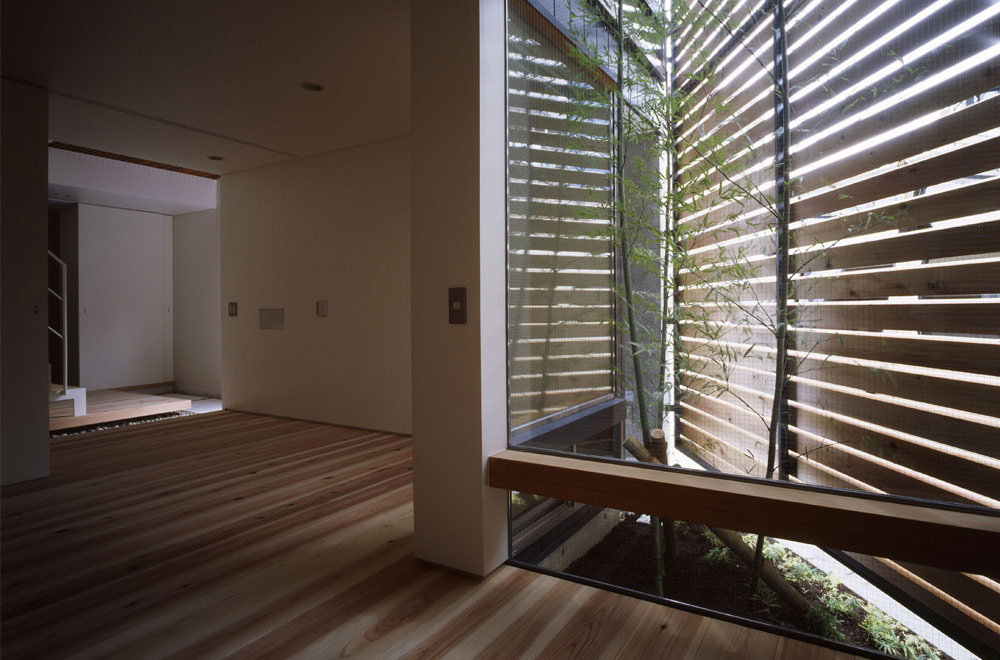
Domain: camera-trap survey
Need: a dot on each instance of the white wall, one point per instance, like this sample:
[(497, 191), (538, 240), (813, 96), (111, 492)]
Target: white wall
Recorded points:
[(459, 239), (126, 297), (100, 181), (24, 426), (334, 227), (198, 303)]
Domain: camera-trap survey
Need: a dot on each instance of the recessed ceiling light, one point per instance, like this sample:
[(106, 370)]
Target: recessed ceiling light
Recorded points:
[(217, 158), (311, 86)]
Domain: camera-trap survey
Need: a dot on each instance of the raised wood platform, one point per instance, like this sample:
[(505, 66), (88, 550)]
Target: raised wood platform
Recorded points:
[(105, 406), (229, 535)]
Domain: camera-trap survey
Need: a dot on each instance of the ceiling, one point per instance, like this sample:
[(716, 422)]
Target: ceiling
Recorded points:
[(178, 81)]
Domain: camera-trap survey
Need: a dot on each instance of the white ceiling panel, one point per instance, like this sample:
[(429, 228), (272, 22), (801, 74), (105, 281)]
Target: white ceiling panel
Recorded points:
[(97, 127), (90, 179), (227, 70)]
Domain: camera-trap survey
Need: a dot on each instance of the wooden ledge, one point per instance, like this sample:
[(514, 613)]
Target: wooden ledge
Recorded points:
[(953, 540)]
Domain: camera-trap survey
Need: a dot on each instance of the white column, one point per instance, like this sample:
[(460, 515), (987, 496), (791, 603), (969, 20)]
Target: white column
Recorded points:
[(458, 239), (24, 390)]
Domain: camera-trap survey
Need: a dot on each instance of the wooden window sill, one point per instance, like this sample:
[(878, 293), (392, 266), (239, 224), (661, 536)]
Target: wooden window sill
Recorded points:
[(956, 540)]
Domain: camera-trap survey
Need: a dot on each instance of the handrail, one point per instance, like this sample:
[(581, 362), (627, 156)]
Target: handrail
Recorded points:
[(62, 297)]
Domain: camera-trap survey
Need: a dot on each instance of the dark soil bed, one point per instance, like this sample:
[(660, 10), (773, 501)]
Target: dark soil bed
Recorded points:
[(76, 430), (703, 573)]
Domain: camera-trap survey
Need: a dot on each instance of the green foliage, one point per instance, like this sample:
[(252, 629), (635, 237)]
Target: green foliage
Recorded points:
[(765, 601), (719, 555), (714, 540), (713, 190), (889, 637), (520, 502), (680, 190), (835, 605), (824, 622)]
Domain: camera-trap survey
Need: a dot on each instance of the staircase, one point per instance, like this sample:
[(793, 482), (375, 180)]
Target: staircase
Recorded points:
[(63, 391), (77, 394)]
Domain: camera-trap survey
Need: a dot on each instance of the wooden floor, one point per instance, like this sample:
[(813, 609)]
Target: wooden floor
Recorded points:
[(105, 406), (231, 535)]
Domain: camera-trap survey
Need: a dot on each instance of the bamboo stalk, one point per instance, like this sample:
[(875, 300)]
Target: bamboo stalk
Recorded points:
[(777, 431), (771, 576), (640, 393)]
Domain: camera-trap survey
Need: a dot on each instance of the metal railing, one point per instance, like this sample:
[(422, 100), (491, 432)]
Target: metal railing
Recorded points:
[(62, 296)]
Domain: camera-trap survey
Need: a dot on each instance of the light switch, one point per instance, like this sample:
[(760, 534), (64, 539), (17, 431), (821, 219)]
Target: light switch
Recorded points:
[(322, 308), (456, 305), (232, 309)]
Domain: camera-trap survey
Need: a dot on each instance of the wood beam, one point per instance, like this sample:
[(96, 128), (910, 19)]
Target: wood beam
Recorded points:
[(944, 538)]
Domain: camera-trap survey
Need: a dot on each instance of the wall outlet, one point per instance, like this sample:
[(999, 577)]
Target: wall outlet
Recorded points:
[(232, 309)]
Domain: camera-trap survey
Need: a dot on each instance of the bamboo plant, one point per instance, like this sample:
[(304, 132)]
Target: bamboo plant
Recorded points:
[(671, 294)]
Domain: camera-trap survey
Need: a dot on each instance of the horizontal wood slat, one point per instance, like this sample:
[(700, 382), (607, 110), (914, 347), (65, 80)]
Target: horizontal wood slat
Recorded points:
[(530, 366), (958, 317), (944, 433), (974, 356), (922, 297), (938, 353), (560, 330), (830, 41), (572, 135), (561, 157), (726, 125), (977, 198), (521, 171), (556, 349), (945, 318), (571, 227), (548, 279), (559, 202), (594, 245), (593, 126), (952, 279), (721, 450), (557, 381), (871, 457), (697, 386), (733, 73), (806, 39), (554, 84), (973, 239), (965, 123), (569, 262), (549, 296), (974, 199), (962, 162), (896, 77), (956, 279), (527, 406), (537, 191), (518, 100), (553, 314), (756, 365)]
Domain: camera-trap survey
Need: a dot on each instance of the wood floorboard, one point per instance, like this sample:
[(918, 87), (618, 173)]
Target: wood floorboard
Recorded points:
[(105, 406), (662, 633), (232, 535)]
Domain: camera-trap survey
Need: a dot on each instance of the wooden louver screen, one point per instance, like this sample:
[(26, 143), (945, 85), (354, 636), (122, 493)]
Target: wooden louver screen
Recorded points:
[(894, 285), (560, 259)]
